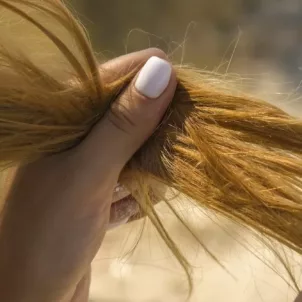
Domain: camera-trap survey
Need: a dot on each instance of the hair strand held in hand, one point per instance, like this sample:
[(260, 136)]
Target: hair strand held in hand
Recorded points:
[(229, 153)]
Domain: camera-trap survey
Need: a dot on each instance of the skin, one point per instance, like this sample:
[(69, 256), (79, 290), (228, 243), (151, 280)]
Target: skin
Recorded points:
[(58, 208)]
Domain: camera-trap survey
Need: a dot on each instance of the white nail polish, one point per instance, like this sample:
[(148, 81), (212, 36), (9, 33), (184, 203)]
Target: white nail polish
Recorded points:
[(154, 77)]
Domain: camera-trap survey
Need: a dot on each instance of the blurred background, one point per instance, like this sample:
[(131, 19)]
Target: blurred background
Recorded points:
[(261, 41)]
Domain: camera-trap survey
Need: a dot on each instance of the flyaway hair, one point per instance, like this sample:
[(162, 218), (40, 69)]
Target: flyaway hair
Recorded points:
[(232, 154)]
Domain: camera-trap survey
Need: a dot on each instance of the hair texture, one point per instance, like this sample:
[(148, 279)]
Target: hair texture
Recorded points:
[(235, 155)]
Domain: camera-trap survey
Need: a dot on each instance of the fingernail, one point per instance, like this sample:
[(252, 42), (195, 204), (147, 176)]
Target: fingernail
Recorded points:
[(154, 77)]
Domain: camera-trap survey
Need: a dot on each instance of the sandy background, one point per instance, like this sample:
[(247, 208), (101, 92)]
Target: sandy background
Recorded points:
[(151, 274), (261, 41)]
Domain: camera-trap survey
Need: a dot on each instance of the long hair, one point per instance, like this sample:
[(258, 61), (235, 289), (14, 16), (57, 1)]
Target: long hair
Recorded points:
[(230, 153)]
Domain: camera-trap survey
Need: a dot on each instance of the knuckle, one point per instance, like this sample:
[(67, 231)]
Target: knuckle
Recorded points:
[(121, 116)]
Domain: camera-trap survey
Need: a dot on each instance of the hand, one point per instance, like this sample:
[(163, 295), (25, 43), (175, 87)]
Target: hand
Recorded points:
[(58, 209)]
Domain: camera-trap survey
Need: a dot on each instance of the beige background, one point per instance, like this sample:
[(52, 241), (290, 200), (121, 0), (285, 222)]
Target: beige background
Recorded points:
[(151, 274)]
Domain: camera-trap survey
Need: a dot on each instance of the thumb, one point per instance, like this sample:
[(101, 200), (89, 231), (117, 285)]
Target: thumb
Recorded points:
[(135, 113)]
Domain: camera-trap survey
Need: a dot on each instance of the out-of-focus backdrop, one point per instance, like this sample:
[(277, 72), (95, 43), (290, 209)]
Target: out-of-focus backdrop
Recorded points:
[(261, 40)]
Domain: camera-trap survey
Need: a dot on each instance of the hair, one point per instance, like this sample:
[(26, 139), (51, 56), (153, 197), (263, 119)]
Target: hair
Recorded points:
[(230, 153)]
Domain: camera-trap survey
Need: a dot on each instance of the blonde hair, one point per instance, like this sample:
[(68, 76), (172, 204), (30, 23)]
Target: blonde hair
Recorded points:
[(230, 153)]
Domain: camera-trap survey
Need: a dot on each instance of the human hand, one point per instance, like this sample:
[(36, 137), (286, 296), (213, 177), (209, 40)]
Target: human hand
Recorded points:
[(58, 210)]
